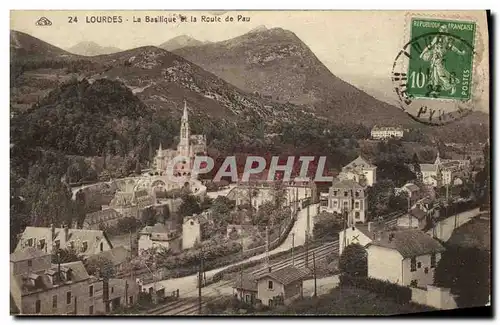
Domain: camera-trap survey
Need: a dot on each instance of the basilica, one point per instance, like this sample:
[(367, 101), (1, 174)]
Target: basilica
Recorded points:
[(190, 145)]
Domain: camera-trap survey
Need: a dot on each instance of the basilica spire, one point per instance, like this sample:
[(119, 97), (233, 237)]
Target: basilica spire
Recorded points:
[(185, 113)]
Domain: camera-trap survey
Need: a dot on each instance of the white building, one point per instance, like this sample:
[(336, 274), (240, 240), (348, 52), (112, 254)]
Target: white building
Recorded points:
[(361, 171), (386, 132), (193, 228), (159, 235), (346, 195), (360, 234), (85, 242), (445, 172), (405, 257)]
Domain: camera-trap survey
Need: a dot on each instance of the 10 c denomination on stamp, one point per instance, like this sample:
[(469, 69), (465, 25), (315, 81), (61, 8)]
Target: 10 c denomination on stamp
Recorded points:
[(432, 74)]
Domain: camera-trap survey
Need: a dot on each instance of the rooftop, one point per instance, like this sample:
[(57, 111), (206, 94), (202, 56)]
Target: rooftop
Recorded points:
[(345, 183), (245, 282), (359, 162), (428, 168), (117, 255), (409, 243), (286, 275), (27, 254), (412, 187)]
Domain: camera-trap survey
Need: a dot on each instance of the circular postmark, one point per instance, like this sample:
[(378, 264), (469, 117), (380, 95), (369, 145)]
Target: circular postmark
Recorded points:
[(432, 77)]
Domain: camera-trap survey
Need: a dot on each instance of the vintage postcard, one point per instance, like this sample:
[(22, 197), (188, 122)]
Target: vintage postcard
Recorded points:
[(249, 163)]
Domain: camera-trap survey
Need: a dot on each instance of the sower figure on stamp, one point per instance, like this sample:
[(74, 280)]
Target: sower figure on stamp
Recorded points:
[(440, 78)]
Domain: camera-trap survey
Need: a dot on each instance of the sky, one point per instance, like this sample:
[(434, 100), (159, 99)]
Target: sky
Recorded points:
[(357, 46)]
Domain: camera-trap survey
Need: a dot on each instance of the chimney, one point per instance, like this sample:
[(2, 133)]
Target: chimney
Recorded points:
[(53, 231), (66, 233), (269, 269), (370, 226)]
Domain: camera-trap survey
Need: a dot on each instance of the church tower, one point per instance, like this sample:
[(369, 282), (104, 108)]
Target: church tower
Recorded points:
[(183, 148), (160, 160)]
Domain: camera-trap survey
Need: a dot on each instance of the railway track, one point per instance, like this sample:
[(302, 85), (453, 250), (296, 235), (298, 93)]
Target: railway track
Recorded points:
[(212, 294)]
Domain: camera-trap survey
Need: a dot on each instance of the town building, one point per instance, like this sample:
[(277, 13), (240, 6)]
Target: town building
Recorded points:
[(346, 196), (193, 228), (411, 190), (362, 234), (361, 171), (39, 287), (118, 256), (415, 218), (130, 204), (386, 132), (190, 145), (160, 235), (245, 288), (85, 242), (99, 220), (445, 172), (405, 257), (280, 286)]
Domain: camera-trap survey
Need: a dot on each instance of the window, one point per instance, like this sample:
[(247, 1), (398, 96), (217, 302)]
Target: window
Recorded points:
[(426, 270), (414, 283), (30, 263), (112, 289), (345, 193), (41, 243), (57, 243), (356, 204), (38, 306), (270, 285), (102, 246), (413, 264), (357, 194), (131, 300), (91, 291), (68, 297), (85, 246), (419, 264), (29, 242), (335, 193), (345, 204), (335, 203), (247, 298), (433, 260), (356, 214), (91, 310), (54, 301)]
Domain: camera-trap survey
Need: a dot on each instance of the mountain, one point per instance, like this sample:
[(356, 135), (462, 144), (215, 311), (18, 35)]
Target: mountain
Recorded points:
[(92, 49), (275, 63), (180, 42), (24, 46)]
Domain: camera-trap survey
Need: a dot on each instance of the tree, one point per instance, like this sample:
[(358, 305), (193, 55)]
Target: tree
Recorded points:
[(190, 205), (354, 261), (278, 192), (466, 271), (148, 216), (327, 226), (65, 255), (103, 268)]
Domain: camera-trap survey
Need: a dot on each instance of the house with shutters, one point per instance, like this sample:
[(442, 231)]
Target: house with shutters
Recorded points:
[(415, 218), (346, 196), (280, 286), (361, 171), (245, 288), (39, 287), (404, 257), (84, 241)]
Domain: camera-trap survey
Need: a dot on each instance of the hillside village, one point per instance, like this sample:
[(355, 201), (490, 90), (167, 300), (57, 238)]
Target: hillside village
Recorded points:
[(99, 226)]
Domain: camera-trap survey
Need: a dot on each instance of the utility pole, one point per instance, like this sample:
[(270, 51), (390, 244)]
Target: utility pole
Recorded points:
[(200, 275), (314, 273), (409, 215), (344, 241), (293, 247), (241, 271), (307, 249), (267, 247)]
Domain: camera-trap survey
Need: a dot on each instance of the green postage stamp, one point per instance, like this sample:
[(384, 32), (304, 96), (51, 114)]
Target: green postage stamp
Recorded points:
[(440, 59)]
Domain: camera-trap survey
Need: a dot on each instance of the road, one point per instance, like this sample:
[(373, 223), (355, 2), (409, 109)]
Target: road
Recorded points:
[(188, 284), (444, 228)]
